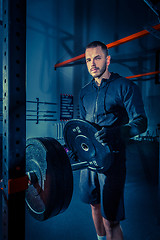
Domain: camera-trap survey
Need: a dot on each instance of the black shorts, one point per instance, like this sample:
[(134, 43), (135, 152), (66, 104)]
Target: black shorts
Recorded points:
[(105, 188)]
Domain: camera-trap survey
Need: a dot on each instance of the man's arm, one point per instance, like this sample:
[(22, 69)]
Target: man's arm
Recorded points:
[(132, 102), (134, 106)]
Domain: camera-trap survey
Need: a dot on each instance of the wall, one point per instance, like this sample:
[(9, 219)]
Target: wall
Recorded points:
[(59, 30)]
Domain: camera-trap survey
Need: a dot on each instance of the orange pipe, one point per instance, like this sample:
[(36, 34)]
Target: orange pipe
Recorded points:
[(143, 74), (110, 45)]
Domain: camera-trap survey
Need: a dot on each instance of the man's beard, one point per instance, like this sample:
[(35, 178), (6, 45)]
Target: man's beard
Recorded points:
[(101, 72)]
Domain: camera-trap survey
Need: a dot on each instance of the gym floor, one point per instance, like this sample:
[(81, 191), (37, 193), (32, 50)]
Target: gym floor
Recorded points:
[(76, 223)]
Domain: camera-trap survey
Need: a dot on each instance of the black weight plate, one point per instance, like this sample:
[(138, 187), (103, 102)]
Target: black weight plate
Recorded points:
[(79, 137), (67, 174), (59, 175), (85, 147), (45, 198)]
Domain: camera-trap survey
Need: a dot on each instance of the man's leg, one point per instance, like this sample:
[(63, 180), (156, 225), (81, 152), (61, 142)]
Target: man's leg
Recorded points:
[(98, 219), (113, 230), (103, 227)]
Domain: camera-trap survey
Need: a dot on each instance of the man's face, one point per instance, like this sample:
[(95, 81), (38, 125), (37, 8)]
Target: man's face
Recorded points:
[(97, 61)]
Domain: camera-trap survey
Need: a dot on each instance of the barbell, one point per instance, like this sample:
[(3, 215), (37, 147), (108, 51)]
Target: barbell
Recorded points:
[(49, 173)]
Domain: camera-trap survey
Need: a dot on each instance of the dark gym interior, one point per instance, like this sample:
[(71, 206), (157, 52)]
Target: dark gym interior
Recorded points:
[(58, 30)]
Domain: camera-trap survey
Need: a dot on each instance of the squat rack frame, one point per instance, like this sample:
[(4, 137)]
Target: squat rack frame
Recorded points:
[(14, 116)]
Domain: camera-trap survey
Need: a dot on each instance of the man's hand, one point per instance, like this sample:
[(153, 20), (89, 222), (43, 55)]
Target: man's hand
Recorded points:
[(107, 135), (114, 137)]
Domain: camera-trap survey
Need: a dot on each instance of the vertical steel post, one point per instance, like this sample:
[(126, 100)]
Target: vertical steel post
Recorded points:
[(14, 115), (158, 197)]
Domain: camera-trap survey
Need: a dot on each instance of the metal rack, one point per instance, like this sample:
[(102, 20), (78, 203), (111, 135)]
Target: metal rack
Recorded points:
[(34, 112), (14, 116)]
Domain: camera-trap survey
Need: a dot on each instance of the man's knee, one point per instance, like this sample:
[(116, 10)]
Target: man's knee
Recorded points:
[(110, 225), (96, 207), (96, 210)]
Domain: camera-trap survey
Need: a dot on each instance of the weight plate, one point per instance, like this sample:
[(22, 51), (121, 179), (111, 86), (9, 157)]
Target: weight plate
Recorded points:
[(67, 174), (85, 146), (79, 137), (45, 198)]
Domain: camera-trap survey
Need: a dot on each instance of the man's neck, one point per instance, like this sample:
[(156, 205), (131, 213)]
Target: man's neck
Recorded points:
[(106, 75)]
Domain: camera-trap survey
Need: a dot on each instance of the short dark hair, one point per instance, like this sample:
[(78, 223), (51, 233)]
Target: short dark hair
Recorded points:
[(96, 44)]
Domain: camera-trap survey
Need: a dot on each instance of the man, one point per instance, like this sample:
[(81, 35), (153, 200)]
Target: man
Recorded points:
[(115, 104)]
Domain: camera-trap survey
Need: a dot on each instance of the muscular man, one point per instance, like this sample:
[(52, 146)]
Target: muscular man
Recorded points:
[(114, 103)]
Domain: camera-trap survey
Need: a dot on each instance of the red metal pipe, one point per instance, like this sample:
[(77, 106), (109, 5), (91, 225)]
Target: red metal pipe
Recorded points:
[(110, 45), (143, 74)]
